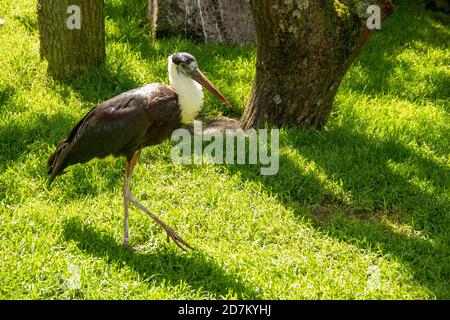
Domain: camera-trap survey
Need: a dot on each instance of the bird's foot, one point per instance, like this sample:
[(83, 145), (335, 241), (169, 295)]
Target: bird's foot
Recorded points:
[(183, 245), (126, 242)]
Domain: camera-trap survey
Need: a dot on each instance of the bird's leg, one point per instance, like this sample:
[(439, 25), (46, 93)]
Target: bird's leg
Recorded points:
[(126, 189), (129, 167), (127, 194)]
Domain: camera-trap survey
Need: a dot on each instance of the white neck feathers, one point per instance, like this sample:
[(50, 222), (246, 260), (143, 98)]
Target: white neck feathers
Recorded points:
[(190, 93)]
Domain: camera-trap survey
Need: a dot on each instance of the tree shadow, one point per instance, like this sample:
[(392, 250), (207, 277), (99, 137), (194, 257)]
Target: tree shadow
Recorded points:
[(16, 137), (165, 266), (96, 85), (131, 26), (5, 96), (376, 200), (410, 26), (129, 11), (29, 22)]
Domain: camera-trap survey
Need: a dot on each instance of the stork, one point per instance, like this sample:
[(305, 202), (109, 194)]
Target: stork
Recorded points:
[(123, 125)]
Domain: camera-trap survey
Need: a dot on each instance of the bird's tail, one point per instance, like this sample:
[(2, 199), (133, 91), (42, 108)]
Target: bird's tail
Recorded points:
[(54, 162)]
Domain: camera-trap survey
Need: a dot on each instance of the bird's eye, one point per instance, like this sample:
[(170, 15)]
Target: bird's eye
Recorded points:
[(184, 65)]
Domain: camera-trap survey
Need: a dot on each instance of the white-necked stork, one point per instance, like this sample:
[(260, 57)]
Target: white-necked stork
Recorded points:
[(135, 119)]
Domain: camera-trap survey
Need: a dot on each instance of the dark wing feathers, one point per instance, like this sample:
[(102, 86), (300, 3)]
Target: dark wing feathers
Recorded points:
[(115, 127)]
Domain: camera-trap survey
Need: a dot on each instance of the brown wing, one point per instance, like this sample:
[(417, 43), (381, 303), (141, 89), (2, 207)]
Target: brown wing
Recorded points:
[(116, 127)]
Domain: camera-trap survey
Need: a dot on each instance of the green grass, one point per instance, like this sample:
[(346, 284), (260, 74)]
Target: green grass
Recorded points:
[(360, 210)]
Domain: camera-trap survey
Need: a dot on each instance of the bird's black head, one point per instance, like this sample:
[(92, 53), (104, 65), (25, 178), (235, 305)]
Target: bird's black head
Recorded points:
[(183, 58), (185, 63)]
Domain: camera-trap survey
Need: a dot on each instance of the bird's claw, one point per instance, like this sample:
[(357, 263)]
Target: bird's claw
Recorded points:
[(177, 239), (170, 233)]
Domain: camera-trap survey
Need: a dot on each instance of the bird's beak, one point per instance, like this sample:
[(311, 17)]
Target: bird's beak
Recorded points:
[(203, 80)]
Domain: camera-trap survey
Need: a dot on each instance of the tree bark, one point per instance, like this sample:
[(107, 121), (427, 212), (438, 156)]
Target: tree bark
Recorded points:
[(71, 51), (304, 50), (219, 21)]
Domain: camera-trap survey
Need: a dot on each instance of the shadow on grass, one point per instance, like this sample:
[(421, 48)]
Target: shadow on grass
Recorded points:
[(164, 267), (29, 22), (17, 136), (410, 26), (369, 173), (96, 85), (5, 96)]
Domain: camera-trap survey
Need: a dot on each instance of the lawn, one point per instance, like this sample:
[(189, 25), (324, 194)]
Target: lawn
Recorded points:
[(360, 210)]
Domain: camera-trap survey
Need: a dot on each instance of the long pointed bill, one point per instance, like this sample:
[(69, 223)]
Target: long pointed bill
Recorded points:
[(201, 78)]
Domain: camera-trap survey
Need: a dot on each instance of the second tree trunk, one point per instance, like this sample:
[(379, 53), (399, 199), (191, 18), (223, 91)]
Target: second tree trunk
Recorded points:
[(304, 50)]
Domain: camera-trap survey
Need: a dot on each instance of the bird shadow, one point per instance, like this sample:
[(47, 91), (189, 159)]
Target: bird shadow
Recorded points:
[(166, 266)]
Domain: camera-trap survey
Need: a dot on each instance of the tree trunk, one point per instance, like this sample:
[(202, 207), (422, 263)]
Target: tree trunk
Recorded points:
[(71, 42), (220, 21), (304, 50)]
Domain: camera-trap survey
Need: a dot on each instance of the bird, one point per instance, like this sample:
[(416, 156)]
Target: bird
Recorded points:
[(125, 124)]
